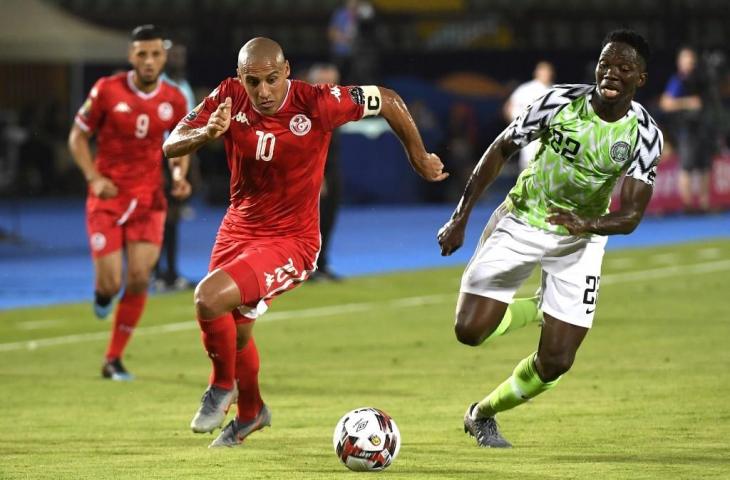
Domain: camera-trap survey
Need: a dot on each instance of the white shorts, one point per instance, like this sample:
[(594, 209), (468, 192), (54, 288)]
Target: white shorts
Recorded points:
[(510, 249)]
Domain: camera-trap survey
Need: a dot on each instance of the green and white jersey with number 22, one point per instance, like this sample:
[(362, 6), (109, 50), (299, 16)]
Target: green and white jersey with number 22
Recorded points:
[(581, 156)]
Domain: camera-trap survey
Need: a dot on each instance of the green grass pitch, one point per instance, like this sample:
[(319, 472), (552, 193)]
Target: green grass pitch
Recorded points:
[(648, 396)]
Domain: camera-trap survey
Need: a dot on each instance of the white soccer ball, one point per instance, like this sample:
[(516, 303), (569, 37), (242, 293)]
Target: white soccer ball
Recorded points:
[(366, 439)]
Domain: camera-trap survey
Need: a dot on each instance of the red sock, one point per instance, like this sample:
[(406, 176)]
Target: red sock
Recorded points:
[(219, 339), (247, 375), (126, 318)]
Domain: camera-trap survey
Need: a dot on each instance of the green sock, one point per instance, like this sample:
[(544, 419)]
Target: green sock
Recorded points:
[(523, 385), (520, 312)]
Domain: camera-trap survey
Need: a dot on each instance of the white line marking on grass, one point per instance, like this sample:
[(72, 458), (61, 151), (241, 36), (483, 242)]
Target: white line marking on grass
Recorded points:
[(620, 262), (663, 272), (37, 324), (667, 258), (691, 269), (191, 325), (708, 252)]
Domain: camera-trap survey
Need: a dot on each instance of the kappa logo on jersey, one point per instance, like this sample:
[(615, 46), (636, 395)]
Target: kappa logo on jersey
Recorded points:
[(335, 91), (164, 111), (281, 274), (98, 241), (300, 125), (242, 118), (620, 152), (122, 107), (357, 95)]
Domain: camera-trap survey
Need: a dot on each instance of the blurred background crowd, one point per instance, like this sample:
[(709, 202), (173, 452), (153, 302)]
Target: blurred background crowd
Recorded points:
[(457, 63)]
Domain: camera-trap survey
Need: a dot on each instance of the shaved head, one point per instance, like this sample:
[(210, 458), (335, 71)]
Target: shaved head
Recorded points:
[(263, 71), (260, 52)]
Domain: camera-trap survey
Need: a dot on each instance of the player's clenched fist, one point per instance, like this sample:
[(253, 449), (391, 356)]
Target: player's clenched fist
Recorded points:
[(451, 236), (219, 120), (430, 168)]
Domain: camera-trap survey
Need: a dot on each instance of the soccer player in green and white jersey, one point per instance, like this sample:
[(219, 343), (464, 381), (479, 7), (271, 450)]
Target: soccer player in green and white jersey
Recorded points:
[(555, 216)]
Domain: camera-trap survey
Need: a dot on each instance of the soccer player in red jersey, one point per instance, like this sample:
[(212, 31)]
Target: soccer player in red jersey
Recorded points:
[(125, 208), (276, 133)]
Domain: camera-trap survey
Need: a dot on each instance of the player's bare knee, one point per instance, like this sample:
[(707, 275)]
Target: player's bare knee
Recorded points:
[(553, 365), (207, 302), (109, 287), (466, 327), (466, 336), (465, 331), (137, 284)]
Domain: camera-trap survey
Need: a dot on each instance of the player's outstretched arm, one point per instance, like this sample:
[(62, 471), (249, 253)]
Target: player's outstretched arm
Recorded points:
[(185, 140), (78, 144), (451, 235), (635, 196), (395, 112)]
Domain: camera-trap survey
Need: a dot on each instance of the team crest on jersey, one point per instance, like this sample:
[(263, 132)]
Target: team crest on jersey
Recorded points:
[(98, 241), (620, 152), (164, 111), (300, 125)]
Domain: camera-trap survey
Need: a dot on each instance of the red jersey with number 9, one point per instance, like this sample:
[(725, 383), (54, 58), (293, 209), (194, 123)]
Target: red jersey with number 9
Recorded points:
[(277, 161), (130, 125)]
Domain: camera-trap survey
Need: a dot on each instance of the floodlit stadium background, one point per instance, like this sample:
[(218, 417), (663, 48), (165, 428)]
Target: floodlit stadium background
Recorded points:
[(454, 61)]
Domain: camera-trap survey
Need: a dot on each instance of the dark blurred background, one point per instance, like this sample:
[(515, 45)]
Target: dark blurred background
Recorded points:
[(454, 61)]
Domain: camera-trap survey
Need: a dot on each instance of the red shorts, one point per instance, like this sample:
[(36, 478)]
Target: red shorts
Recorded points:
[(279, 265), (113, 222)]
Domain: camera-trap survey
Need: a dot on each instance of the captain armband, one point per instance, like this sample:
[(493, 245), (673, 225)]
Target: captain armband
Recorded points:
[(369, 97)]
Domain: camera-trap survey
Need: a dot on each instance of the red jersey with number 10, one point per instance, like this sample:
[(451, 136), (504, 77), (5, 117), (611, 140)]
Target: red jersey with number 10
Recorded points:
[(130, 125), (277, 161)]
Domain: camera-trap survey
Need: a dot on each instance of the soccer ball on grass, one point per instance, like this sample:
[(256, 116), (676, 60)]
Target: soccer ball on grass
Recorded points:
[(366, 439)]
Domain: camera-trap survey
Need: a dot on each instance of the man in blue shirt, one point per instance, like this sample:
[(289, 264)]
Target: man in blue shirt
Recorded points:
[(685, 107)]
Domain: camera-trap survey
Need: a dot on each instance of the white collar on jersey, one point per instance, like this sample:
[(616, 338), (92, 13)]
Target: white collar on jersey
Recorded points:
[(137, 91), (286, 97)]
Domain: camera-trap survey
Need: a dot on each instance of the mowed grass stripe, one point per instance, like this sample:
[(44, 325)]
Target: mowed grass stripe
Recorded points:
[(631, 276)]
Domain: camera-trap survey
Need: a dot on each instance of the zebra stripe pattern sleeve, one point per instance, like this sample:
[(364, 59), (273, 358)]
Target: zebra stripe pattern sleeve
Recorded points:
[(648, 150), (535, 119)]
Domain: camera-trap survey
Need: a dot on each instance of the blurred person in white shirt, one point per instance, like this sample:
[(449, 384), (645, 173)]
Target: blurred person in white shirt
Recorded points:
[(523, 96)]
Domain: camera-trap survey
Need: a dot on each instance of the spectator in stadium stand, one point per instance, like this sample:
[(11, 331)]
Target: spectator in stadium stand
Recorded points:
[(685, 105), (556, 217), (353, 44), (125, 209), (169, 278), (276, 132), (524, 95), (331, 192)]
